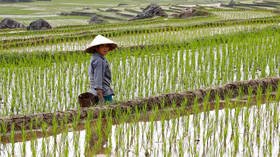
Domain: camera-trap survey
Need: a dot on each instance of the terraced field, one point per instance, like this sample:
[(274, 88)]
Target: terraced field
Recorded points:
[(160, 72), (115, 12)]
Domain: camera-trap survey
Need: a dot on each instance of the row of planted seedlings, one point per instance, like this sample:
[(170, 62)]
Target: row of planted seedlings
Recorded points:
[(197, 128), (85, 33), (138, 23), (147, 38), (51, 82), (210, 24), (75, 39), (229, 15), (68, 30)]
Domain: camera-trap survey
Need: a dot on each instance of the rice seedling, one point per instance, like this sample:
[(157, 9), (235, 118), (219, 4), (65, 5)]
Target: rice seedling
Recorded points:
[(247, 14)]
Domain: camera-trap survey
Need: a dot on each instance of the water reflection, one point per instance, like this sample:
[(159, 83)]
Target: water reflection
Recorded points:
[(252, 131)]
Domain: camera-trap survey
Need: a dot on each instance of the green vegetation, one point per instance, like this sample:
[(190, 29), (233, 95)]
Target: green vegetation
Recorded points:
[(45, 71), (124, 10)]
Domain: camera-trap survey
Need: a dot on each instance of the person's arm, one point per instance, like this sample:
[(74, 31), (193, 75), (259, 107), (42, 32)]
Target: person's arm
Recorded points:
[(98, 79)]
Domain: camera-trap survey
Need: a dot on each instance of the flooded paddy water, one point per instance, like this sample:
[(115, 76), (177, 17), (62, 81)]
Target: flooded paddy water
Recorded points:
[(143, 39), (240, 131), (58, 85)]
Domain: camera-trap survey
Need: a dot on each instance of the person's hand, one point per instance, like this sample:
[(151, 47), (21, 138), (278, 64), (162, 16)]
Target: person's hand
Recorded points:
[(100, 96)]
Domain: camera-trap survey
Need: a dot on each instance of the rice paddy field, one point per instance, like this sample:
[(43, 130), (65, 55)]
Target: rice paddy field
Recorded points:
[(45, 71)]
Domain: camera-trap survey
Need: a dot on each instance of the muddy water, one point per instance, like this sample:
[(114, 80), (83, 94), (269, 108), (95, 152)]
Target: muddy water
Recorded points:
[(250, 131)]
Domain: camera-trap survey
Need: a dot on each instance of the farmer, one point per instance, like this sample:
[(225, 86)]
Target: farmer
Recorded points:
[(99, 70)]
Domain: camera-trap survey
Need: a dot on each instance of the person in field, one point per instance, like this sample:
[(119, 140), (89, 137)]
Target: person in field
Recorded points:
[(99, 70)]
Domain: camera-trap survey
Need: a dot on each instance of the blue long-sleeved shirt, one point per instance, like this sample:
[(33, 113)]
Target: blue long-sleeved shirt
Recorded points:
[(100, 75)]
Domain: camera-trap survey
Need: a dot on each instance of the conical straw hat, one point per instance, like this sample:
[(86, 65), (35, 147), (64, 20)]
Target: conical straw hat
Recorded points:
[(100, 40)]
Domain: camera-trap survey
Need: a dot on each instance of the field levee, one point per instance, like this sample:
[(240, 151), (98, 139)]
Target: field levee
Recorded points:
[(185, 100)]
